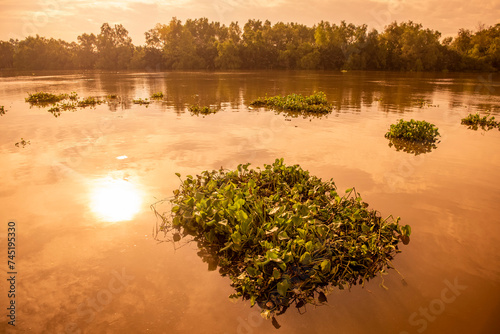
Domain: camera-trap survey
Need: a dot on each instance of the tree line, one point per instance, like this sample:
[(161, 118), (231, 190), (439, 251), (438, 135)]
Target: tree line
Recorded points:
[(200, 44)]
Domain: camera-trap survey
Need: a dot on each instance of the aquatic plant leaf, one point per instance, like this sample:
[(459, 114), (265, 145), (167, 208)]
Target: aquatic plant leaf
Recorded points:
[(283, 287), (326, 266), (305, 259)]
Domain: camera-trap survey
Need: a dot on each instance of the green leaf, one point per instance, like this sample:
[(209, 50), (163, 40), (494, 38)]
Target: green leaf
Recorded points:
[(305, 259), (272, 255), (276, 273), (241, 216), (326, 266), (283, 287), (309, 246), (236, 237), (252, 300), (282, 236), (281, 265)]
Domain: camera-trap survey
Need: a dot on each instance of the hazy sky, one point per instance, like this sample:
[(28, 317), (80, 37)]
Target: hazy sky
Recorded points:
[(66, 19)]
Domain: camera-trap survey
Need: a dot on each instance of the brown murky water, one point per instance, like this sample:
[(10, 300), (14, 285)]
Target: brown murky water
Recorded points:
[(80, 193)]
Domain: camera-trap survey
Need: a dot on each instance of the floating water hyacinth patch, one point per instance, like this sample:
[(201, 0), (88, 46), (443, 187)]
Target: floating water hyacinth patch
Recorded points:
[(412, 130), (315, 103), (158, 95), (141, 101), (283, 236), (89, 102), (202, 110), (475, 121), (413, 136), (43, 98), (58, 103)]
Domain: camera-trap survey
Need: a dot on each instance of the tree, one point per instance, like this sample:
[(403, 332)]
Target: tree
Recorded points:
[(6, 55), (87, 51), (114, 47), (409, 47)]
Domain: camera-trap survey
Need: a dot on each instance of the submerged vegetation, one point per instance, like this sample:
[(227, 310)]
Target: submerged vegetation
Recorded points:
[(2, 111), (282, 235), (474, 121), (315, 103)]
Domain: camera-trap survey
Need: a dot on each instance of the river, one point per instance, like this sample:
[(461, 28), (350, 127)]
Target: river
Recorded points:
[(80, 188)]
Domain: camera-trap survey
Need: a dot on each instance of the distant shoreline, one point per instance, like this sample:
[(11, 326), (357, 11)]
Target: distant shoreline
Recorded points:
[(202, 45)]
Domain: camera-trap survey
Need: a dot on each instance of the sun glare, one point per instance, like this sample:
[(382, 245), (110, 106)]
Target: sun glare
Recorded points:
[(114, 200)]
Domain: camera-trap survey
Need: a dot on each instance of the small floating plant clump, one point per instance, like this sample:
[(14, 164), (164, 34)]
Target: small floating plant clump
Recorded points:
[(42, 99), (282, 235), (141, 101), (45, 98), (157, 96), (475, 121), (315, 103), (89, 102), (22, 143), (416, 131), (413, 136), (202, 110)]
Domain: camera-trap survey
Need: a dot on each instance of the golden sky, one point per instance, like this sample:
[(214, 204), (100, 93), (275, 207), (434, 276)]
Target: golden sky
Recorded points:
[(66, 19)]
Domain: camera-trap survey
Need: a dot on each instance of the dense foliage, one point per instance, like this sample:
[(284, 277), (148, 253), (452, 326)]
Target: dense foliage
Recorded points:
[(315, 103), (282, 235), (474, 121), (200, 44)]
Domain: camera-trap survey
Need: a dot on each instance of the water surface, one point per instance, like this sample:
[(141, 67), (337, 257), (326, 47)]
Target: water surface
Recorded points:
[(80, 194)]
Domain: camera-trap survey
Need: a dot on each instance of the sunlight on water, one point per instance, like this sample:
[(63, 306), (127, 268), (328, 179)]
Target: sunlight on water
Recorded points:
[(114, 200)]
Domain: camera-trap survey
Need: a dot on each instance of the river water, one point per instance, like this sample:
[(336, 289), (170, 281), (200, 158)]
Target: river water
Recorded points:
[(80, 193)]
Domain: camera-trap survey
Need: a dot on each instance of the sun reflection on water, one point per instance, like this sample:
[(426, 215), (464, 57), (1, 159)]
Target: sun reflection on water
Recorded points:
[(114, 200)]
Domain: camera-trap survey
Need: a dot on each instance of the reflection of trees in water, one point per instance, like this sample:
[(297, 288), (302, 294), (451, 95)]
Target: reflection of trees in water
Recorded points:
[(411, 147), (203, 88), (345, 91)]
